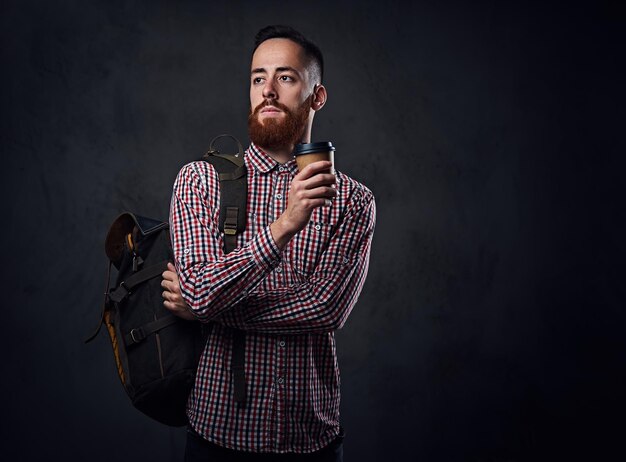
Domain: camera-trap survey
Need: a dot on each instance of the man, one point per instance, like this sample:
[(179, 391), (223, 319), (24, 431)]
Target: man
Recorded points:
[(291, 282)]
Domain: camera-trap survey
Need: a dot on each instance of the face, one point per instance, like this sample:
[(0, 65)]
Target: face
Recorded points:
[(281, 94)]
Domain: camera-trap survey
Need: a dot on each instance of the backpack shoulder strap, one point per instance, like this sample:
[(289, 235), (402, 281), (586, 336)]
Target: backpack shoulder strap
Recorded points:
[(233, 203), (233, 191)]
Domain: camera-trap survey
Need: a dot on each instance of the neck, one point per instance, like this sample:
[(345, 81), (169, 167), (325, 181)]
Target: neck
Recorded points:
[(280, 155)]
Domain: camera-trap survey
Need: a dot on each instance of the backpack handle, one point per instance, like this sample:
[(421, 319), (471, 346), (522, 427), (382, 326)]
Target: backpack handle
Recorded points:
[(212, 150)]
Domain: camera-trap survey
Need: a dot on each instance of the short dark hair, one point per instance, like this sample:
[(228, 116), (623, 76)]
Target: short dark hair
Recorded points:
[(311, 50)]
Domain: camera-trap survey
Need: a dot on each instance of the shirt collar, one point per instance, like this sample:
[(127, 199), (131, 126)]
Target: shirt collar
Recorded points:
[(262, 161)]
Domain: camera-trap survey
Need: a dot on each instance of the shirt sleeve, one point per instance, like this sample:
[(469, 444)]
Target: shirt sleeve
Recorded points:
[(211, 281), (323, 303)]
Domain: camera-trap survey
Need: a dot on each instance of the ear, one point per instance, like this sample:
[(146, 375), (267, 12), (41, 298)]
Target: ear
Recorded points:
[(319, 97)]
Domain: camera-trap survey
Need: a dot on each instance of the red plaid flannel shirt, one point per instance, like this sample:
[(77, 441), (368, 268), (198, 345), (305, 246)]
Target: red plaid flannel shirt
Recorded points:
[(289, 303)]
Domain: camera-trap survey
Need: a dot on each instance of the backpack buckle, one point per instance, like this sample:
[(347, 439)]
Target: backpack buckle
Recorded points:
[(230, 221), (119, 294), (126, 289), (137, 334)]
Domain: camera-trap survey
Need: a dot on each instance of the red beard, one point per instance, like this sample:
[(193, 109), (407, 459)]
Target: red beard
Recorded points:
[(278, 133)]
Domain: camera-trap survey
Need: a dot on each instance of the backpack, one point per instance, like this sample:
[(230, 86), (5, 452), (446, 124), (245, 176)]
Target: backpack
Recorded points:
[(157, 353)]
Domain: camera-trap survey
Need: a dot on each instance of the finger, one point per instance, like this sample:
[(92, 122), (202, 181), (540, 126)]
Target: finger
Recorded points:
[(168, 275), (174, 287), (176, 299), (320, 179), (175, 305), (323, 192), (183, 313), (314, 203), (170, 285), (167, 285), (171, 267), (313, 168)]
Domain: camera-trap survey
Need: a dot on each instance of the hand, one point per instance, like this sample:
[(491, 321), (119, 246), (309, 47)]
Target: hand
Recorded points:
[(173, 298), (309, 189)]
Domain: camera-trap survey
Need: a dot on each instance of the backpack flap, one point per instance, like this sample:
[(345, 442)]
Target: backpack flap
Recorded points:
[(123, 226), (132, 236), (125, 231)]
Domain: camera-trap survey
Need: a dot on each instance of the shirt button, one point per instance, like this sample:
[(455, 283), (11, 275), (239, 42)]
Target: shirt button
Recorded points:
[(280, 380), (281, 169), (187, 251), (281, 343), (279, 196), (318, 227), (279, 270), (345, 260)]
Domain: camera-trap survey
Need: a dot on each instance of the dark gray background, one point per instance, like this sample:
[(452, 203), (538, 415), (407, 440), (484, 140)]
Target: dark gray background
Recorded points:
[(491, 326)]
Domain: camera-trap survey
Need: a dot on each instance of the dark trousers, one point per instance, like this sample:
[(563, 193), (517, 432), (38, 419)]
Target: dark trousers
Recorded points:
[(198, 449)]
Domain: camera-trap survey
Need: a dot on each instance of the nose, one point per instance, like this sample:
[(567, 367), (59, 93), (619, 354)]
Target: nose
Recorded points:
[(269, 92)]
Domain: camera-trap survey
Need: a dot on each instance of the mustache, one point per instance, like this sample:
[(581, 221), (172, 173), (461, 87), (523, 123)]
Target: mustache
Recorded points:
[(266, 103)]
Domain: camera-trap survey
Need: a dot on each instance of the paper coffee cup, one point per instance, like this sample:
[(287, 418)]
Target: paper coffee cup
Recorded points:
[(308, 153)]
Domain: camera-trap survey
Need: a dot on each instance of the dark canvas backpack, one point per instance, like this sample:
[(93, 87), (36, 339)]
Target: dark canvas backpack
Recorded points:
[(157, 353)]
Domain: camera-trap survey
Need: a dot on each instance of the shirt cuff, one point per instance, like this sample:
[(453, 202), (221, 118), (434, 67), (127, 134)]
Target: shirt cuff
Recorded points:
[(264, 250)]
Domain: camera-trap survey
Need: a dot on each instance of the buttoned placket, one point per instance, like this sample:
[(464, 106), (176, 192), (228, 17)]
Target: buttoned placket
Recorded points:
[(281, 177), (280, 384), (281, 181)]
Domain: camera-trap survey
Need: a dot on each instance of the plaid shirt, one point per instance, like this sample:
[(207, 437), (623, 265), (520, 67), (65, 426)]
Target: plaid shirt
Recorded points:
[(289, 302)]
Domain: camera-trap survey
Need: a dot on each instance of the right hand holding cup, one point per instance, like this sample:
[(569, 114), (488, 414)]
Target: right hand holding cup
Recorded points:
[(311, 188)]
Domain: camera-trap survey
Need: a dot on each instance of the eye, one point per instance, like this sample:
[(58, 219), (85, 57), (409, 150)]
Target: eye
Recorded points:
[(257, 80), (286, 78)]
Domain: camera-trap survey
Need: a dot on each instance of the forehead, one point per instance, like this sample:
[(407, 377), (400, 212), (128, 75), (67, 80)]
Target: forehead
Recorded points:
[(279, 52)]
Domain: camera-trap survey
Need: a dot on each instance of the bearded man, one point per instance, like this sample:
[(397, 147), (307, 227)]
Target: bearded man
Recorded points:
[(292, 280)]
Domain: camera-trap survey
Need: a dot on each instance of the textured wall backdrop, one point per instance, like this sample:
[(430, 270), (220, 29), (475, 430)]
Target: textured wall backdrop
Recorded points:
[(491, 326)]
